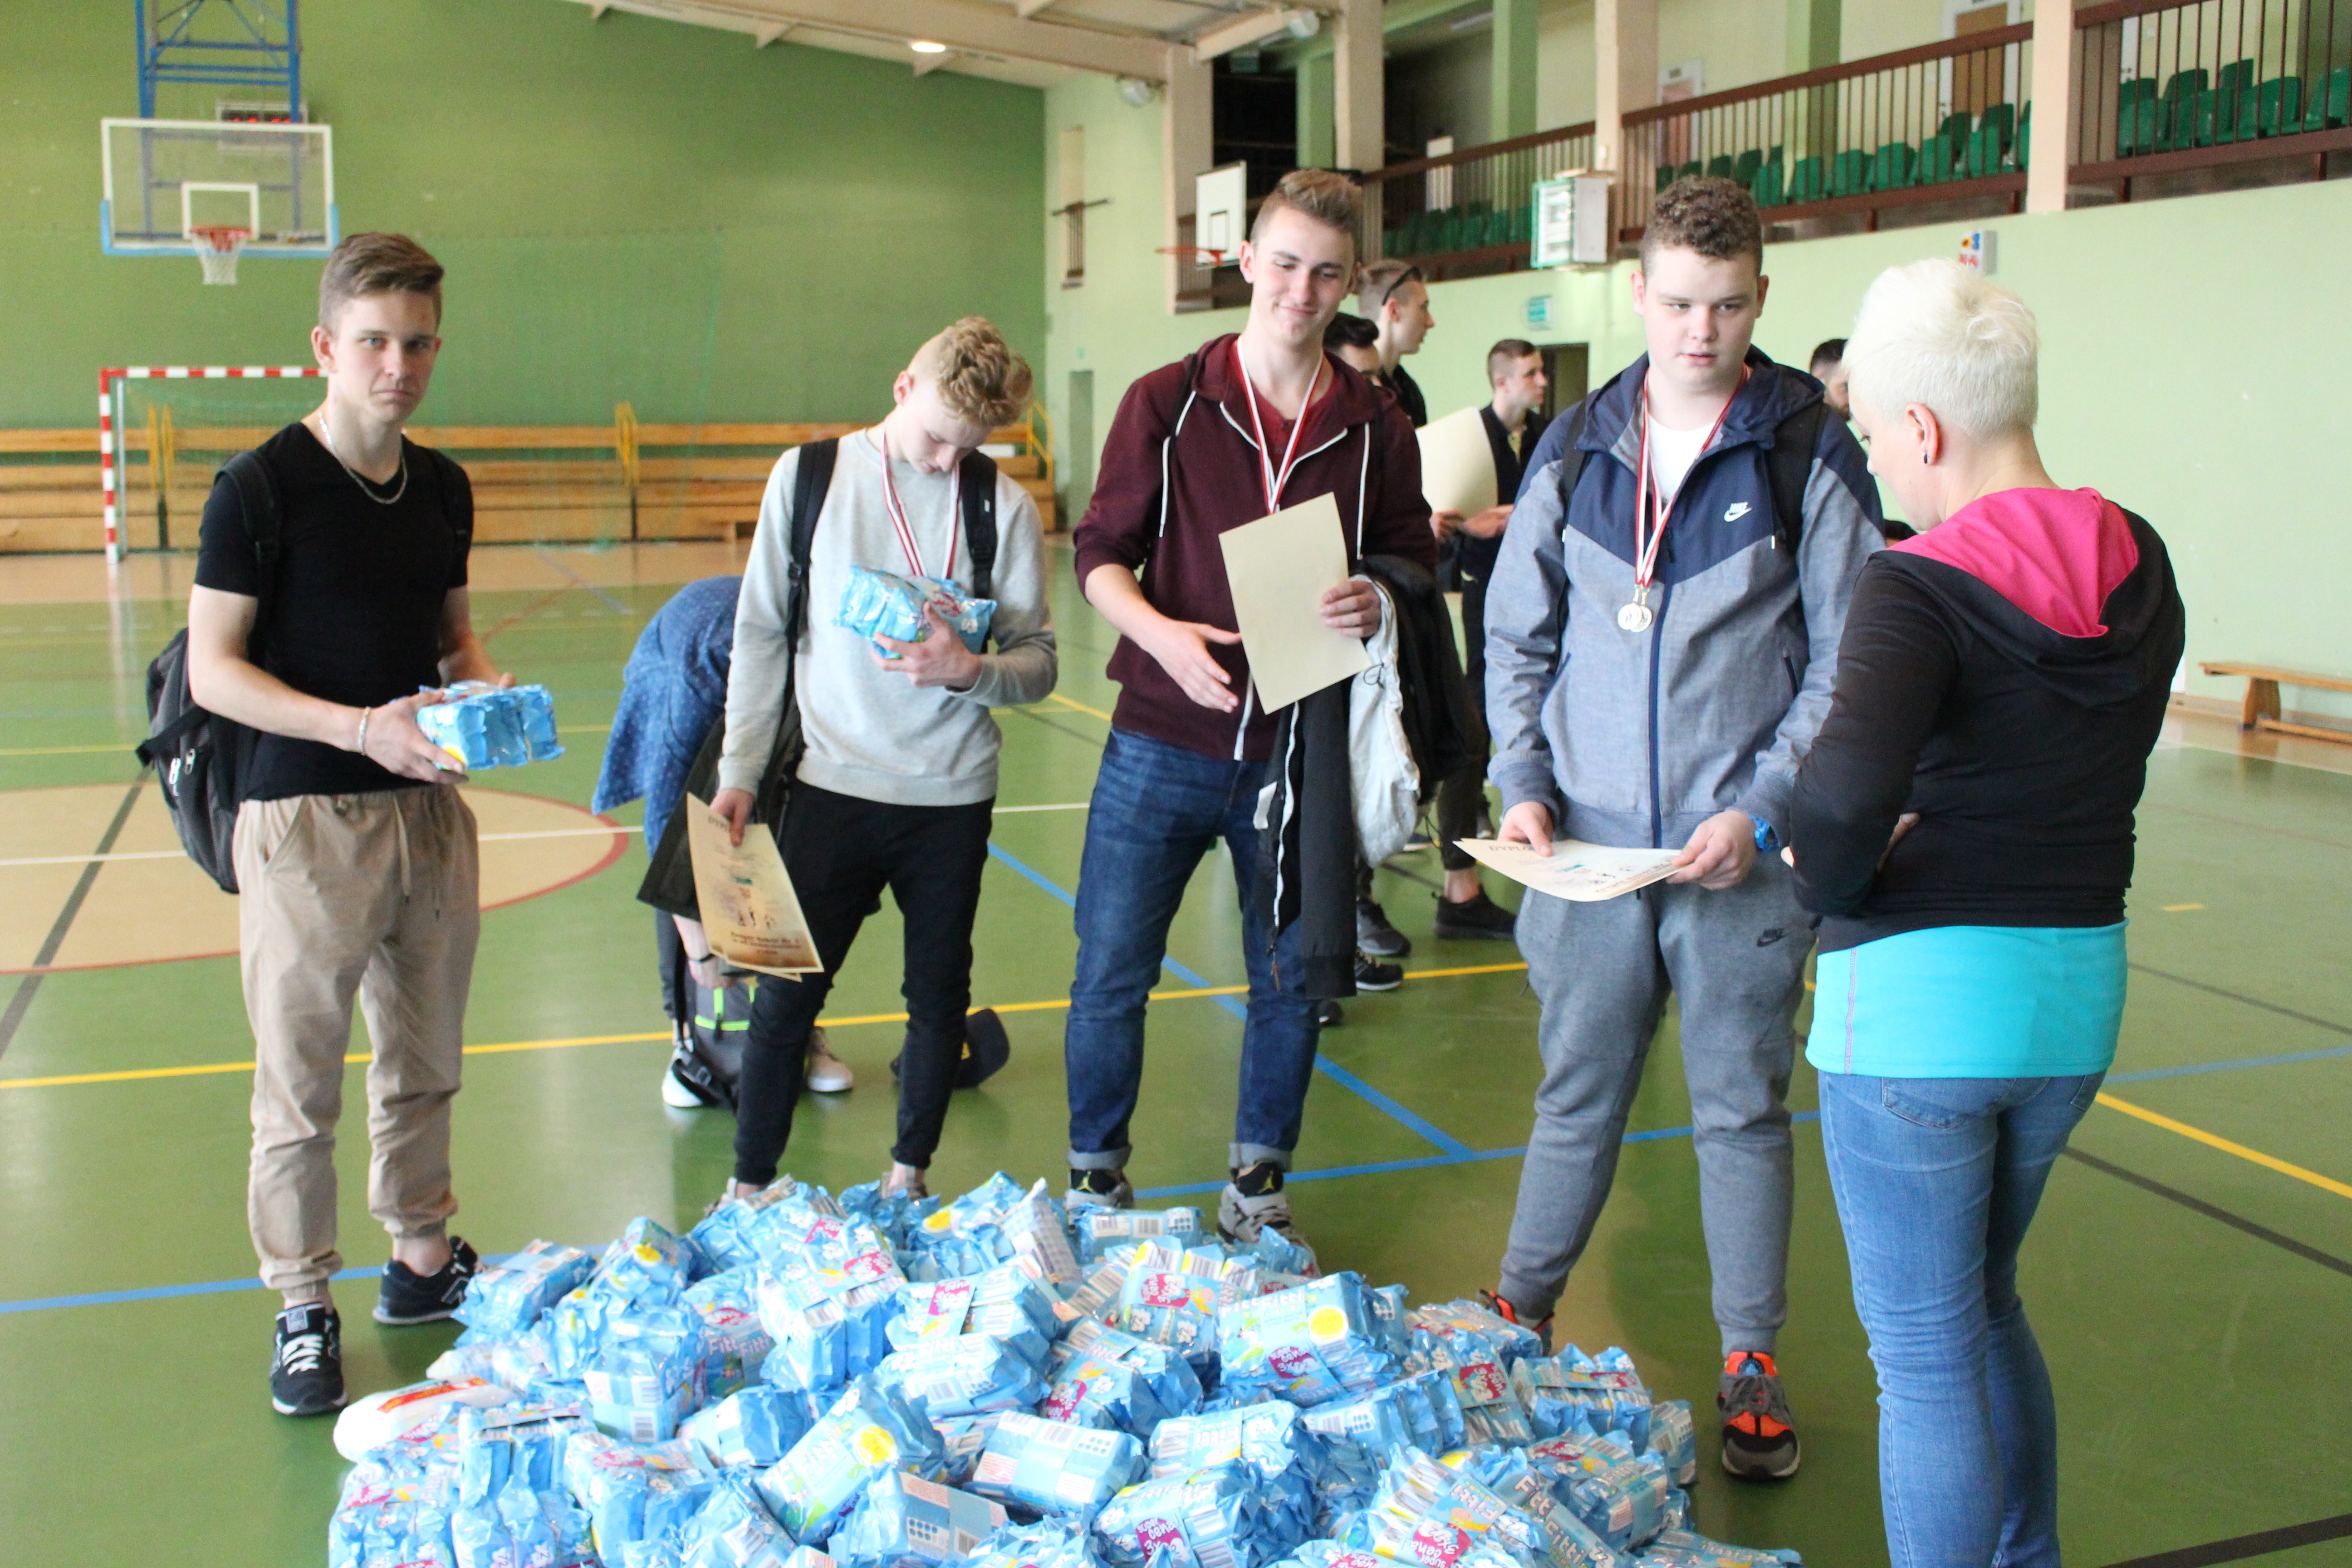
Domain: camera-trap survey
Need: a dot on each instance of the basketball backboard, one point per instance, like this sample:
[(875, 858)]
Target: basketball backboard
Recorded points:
[(166, 177), (1221, 210)]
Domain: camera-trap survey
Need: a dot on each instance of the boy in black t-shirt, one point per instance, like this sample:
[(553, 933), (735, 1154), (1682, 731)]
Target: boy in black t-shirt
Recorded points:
[(355, 856)]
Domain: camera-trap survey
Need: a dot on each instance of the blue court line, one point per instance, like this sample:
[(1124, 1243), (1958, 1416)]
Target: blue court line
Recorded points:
[(166, 1292), (2329, 1053), (1421, 1126)]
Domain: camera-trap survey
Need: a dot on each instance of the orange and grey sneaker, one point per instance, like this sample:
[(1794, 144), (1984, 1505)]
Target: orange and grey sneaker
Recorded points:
[(1502, 1308), (1759, 1442)]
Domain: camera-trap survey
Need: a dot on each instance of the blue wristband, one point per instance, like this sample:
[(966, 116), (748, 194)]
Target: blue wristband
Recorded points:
[(1767, 840)]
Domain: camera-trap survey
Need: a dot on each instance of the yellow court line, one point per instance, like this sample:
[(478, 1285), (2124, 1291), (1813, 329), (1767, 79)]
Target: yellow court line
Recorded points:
[(1091, 712), (133, 1075), (2268, 1162)]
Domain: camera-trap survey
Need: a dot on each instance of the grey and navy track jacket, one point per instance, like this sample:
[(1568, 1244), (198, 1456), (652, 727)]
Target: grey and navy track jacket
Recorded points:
[(1634, 739)]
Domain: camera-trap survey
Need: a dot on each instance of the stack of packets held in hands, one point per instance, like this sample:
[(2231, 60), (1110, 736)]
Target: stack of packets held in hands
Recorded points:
[(485, 726), (807, 1380), (886, 605)]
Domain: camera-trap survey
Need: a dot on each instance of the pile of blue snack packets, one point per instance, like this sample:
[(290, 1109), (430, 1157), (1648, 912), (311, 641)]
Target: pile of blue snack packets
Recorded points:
[(485, 726), (806, 1381)]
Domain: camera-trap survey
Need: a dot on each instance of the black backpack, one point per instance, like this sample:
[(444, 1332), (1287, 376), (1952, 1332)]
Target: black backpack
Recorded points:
[(201, 760), (669, 881), (1788, 464)]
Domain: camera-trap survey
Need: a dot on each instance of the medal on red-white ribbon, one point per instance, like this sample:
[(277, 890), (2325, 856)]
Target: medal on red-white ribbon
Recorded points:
[(1651, 511), (1272, 477)]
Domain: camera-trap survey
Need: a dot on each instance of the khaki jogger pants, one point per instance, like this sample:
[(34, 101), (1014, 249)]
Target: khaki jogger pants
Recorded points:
[(376, 896)]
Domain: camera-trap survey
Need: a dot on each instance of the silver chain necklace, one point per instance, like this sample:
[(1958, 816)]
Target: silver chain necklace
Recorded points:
[(327, 441)]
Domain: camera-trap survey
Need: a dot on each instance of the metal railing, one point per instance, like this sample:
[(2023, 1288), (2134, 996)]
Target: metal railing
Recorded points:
[(2165, 88), (1468, 211), (1937, 123)]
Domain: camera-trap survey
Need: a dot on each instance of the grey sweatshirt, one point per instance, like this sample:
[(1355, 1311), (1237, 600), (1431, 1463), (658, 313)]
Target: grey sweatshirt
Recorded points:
[(1635, 738), (872, 732)]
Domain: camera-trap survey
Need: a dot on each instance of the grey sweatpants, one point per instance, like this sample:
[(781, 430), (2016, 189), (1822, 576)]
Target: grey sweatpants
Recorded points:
[(1602, 972)]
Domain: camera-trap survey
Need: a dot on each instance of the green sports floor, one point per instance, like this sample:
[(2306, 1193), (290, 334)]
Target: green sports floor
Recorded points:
[(2190, 1276)]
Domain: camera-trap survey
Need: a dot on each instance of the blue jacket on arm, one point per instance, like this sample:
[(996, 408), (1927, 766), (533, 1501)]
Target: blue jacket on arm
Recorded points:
[(1635, 738), (673, 691)]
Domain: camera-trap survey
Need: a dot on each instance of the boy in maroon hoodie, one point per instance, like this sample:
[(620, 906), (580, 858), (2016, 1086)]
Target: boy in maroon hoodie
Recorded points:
[(1244, 426)]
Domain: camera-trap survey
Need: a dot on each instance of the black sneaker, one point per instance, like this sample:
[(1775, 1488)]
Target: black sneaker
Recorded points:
[(1759, 1441), (1371, 975), (1252, 1204), (1375, 936), (306, 1376), (1098, 1189), (1327, 1014), (407, 1297), (1477, 918)]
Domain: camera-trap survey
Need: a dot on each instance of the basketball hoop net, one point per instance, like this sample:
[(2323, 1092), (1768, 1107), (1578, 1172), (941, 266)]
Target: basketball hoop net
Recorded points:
[(218, 247), (1194, 255)]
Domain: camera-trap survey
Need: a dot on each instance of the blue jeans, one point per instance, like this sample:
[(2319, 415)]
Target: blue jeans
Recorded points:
[(1157, 810), (1937, 1179)]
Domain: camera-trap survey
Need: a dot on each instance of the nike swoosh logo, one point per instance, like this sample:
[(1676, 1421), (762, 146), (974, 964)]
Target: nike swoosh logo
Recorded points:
[(1738, 509)]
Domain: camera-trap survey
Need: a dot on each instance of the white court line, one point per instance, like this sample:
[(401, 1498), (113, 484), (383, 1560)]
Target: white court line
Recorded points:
[(176, 854)]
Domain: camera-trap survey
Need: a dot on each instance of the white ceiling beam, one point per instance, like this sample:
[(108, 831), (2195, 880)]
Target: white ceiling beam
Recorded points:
[(969, 28), (1244, 31), (925, 64)]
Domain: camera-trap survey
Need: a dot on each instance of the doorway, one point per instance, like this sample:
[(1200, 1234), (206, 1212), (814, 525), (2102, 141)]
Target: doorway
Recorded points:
[(1078, 448), (1567, 368)]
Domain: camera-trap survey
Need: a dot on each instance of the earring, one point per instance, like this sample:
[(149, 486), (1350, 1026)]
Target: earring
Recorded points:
[(1923, 458)]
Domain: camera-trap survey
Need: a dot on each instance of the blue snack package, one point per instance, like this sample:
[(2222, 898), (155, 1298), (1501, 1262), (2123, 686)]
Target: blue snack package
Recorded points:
[(1061, 1541), (733, 1529), (1512, 1341), (963, 1374), (1682, 1549), (757, 1425), (1420, 1412), (1625, 1497), (1005, 1303), (515, 1292), (964, 1437), (1099, 1228), (1055, 1467), (618, 1482), (1172, 1296), (485, 726), (1674, 1438), (1424, 1510), (906, 1522), (1490, 1411), (648, 1373), (1572, 1392), (1106, 1376), (1211, 1518), (1530, 1487), (1311, 1345), (830, 1320), (868, 1430), (886, 605), (735, 1344)]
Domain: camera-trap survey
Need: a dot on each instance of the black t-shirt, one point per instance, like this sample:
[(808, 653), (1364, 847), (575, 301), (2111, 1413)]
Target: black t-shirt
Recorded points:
[(1408, 395), (355, 611)]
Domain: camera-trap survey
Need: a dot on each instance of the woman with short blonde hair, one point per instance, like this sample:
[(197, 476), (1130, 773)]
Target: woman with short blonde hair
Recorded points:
[(1963, 823)]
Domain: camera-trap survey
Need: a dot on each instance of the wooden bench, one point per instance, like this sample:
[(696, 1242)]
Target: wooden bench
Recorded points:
[(532, 484), (2261, 706)]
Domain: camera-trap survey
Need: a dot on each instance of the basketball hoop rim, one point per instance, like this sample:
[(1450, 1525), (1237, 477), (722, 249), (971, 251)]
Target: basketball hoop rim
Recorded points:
[(1191, 252), (220, 238)]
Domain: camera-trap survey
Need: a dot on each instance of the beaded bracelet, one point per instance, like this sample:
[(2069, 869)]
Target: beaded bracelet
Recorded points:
[(359, 745)]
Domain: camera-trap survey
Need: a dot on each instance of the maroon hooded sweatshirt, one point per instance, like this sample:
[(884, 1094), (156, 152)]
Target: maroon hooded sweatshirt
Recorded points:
[(1180, 467)]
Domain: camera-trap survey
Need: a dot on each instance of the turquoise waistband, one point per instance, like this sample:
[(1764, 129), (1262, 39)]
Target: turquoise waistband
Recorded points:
[(1971, 1002)]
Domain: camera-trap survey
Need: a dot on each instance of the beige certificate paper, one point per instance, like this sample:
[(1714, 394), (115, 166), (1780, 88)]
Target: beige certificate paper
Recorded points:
[(1278, 568), (1457, 465), (748, 908), (1581, 872)]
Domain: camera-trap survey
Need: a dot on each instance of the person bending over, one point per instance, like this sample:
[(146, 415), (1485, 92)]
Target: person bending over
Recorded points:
[(1246, 426), (1963, 823), (896, 783), (1661, 635)]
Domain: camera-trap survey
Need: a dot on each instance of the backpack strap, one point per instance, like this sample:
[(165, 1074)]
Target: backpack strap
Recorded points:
[(1572, 455), (1789, 465), (811, 479), (976, 484), (256, 495)]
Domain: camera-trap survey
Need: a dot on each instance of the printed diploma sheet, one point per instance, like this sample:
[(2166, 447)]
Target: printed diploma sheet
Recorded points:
[(1581, 872), (1278, 569), (748, 910)]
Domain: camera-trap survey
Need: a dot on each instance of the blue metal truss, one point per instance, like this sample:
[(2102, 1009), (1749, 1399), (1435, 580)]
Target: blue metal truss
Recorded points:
[(232, 43)]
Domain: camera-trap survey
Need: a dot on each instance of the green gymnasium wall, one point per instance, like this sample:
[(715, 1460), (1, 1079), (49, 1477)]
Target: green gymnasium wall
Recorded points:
[(629, 209), (2191, 364)]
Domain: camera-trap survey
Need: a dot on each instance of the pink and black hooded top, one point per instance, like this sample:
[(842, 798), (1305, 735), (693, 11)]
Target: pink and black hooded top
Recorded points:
[(2004, 675)]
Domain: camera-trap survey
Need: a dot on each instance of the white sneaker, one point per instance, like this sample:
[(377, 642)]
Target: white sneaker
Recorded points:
[(827, 1073), (675, 1095), (1253, 1204)]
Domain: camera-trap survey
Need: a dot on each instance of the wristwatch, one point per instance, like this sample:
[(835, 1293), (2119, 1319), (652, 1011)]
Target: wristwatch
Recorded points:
[(1767, 838)]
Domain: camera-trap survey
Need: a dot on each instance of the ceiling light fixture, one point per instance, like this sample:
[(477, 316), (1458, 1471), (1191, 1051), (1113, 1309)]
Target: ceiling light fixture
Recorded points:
[(925, 47)]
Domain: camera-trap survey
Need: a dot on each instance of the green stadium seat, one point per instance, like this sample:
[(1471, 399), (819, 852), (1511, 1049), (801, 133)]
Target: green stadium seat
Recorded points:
[(1449, 234), (2136, 117), (1767, 184), (2280, 111), (1957, 125), (1893, 167), (2024, 139), (1719, 167), (1744, 167), (1809, 181), (1982, 155), (1939, 159), (1689, 170), (1523, 225), (2238, 76), (2330, 102), (2000, 119), (1849, 173), (1666, 178)]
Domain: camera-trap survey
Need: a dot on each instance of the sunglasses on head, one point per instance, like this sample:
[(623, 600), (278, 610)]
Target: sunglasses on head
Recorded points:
[(1410, 275)]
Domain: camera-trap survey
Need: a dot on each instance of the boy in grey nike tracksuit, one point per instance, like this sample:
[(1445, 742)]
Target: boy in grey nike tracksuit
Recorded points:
[(1672, 713)]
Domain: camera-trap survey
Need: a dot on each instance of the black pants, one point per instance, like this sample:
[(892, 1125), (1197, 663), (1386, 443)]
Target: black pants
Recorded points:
[(1460, 796), (669, 958), (841, 852)]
